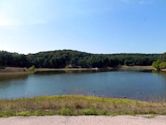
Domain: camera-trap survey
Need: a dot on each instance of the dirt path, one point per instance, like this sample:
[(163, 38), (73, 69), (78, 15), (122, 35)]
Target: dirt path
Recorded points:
[(84, 120)]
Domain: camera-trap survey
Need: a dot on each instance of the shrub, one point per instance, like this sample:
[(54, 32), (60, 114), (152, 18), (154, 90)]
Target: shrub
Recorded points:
[(31, 69), (162, 65), (156, 65)]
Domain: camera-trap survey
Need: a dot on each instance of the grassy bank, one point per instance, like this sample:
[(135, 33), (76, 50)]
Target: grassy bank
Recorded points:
[(78, 105)]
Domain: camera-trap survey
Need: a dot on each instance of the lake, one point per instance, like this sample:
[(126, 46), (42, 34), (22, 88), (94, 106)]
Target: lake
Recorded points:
[(123, 84)]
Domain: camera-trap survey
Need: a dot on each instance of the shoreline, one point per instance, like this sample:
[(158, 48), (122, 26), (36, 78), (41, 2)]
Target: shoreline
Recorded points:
[(24, 71), (120, 68)]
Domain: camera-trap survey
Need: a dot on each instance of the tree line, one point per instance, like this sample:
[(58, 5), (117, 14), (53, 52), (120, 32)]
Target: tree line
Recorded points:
[(70, 58)]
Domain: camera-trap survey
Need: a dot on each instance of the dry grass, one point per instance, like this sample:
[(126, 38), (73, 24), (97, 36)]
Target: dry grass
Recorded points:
[(78, 105)]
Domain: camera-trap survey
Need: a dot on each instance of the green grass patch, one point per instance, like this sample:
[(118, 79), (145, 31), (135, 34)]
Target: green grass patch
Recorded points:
[(78, 105)]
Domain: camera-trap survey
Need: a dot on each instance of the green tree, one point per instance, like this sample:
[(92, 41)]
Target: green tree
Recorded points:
[(156, 65), (162, 65)]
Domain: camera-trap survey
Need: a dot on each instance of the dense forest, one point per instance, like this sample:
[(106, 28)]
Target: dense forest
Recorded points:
[(70, 58)]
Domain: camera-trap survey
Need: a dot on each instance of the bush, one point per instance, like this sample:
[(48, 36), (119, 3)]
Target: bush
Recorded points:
[(31, 69), (156, 65), (162, 65)]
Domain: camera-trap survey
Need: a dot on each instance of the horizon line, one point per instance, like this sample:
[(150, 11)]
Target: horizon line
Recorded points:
[(79, 51)]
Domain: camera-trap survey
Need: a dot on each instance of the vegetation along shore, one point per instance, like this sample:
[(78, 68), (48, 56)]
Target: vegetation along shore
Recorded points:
[(78, 105)]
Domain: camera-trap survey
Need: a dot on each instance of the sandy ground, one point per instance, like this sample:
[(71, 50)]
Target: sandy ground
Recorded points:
[(84, 120)]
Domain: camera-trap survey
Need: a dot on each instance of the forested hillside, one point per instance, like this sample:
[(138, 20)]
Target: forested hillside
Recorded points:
[(70, 58)]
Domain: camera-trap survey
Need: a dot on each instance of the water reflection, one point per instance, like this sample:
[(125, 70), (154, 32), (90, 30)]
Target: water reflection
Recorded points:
[(7, 77)]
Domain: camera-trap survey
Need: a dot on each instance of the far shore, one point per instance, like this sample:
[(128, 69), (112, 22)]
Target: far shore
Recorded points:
[(131, 68), (25, 71)]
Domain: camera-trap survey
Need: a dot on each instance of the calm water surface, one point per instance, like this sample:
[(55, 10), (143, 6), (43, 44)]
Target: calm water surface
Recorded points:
[(137, 85)]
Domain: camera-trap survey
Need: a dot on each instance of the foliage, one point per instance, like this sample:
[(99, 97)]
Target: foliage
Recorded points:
[(64, 58), (163, 65), (156, 64), (78, 105), (31, 69), (160, 63), (13, 59), (163, 57)]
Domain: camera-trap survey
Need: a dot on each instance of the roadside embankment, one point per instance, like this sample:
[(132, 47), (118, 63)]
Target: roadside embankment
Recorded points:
[(78, 105)]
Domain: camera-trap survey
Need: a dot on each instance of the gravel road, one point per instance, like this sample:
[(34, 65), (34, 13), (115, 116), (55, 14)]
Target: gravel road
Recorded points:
[(84, 120)]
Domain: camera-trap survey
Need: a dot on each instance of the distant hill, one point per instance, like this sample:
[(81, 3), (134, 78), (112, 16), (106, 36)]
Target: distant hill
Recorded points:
[(71, 58)]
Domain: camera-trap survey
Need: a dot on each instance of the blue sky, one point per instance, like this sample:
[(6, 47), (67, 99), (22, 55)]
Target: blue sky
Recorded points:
[(97, 26)]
